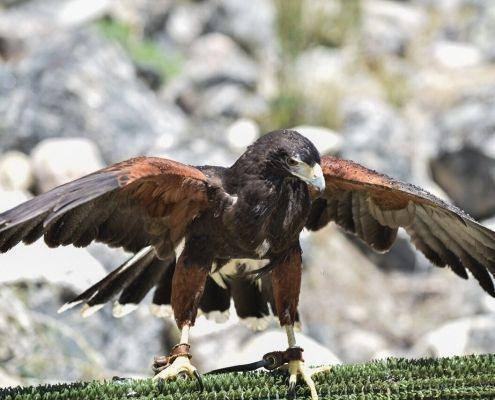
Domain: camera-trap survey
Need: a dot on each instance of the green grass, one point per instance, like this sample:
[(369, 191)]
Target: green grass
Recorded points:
[(470, 377), (142, 51)]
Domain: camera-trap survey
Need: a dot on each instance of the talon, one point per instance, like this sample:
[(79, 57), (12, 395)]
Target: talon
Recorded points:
[(298, 367), (291, 393), (181, 367), (197, 375)]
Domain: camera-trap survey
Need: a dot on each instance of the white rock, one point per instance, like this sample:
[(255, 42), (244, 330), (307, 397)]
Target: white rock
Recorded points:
[(15, 171), (11, 198), (267, 341), (456, 55), (365, 343), (186, 23), (242, 133), (67, 266), (326, 140), (449, 340), (7, 380), (57, 161)]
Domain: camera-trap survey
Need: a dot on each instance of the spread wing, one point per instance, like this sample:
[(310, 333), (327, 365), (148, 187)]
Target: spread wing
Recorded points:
[(133, 204), (373, 207)]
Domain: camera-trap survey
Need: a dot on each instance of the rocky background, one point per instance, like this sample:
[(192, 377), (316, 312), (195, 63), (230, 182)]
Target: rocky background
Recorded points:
[(405, 87)]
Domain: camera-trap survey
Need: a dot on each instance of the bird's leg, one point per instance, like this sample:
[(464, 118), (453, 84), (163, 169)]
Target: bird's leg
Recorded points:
[(188, 284), (286, 283), (298, 367), (178, 362)]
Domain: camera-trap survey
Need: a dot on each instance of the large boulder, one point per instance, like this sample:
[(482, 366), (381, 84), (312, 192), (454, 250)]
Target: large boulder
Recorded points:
[(59, 160), (78, 83), (468, 177), (16, 172), (470, 335)]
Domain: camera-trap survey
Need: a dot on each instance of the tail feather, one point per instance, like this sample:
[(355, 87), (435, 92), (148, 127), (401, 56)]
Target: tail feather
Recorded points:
[(252, 299), (101, 292), (135, 292)]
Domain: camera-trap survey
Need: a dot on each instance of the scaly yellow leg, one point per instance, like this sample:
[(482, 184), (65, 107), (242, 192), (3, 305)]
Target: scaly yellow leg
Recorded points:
[(298, 367)]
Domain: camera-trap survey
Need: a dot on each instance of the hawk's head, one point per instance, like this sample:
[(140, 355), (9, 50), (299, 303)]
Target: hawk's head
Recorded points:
[(288, 153)]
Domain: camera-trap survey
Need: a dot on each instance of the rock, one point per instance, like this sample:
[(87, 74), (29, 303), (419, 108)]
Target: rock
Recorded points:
[(362, 342), (146, 16), (206, 64), (91, 90), (469, 121), (15, 171), (66, 266), (187, 21), (471, 335), (456, 55), (36, 19), (241, 133), (252, 24), (275, 339), (389, 27), (326, 140), (203, 145), (468, 177), (231, 101), (343, 292), (7, 380), (58, 161), (75, 348), (376, 137)]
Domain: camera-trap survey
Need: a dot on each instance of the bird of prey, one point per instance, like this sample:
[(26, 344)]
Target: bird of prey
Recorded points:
[(203, 236)]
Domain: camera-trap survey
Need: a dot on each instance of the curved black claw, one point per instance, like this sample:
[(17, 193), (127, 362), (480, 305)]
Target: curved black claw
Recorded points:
[(197, 375), (291, 392)]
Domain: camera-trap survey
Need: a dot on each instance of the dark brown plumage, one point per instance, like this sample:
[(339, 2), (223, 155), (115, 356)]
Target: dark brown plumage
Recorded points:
[(239, 228)]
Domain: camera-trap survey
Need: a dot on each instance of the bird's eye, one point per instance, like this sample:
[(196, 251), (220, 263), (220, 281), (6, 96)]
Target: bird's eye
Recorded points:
[(291, 162)]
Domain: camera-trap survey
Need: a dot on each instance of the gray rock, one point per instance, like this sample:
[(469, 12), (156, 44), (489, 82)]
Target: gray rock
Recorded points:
[(59, 160), (206, 64), (230, 100), (69, 347), (204, 144), (78, 83), (253, 24), (389, 27), (36, 19), (376, 136), (353, 294), (468, 122), (468, 177)]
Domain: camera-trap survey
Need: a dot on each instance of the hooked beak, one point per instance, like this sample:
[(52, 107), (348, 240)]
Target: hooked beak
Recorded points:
[(311, 175)]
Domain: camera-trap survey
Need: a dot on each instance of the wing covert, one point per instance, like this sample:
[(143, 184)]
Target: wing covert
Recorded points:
[(132, 204)]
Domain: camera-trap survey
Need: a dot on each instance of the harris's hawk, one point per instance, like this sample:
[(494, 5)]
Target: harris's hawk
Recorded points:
[(199, 233)]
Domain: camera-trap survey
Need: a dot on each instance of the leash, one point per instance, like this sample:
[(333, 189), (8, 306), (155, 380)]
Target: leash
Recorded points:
[(270, 361)]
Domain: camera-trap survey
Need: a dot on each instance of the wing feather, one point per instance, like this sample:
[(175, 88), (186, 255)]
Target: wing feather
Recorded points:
[(117, 206), (374, 206)]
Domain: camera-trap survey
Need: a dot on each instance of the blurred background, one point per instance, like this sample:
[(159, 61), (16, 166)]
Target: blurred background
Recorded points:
[(404, 87)]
